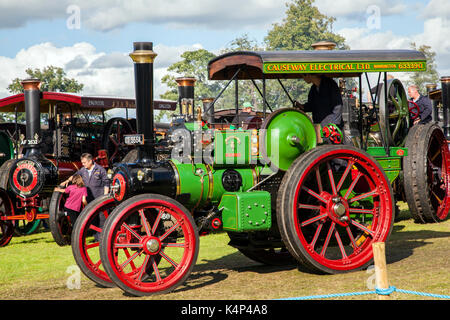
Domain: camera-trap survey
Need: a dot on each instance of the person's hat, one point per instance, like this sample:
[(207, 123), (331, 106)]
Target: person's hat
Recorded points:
[(247, 105)]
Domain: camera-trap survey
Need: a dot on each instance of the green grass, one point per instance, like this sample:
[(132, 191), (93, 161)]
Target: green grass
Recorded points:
[(35, 267)]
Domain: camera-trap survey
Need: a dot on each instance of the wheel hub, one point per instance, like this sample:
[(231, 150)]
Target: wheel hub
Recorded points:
[(338, 210), (152, 245)]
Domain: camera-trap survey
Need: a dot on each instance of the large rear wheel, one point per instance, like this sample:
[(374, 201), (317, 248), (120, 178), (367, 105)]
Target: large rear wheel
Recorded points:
[(149, 245), (333, 203), (426, 174)]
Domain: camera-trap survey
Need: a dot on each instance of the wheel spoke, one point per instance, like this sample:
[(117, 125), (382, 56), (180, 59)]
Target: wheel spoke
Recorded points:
[(327, 240), (95, 228), (361, 210), (316, 218), (308, 206), (364, 195), (352, 238), (145, 222), (319, 180), (158, 217), (316, 236), (155, 269), (360, 226), (341, 246), (315, 195), (169, 231), (143, 268), (130, 259), (174, 245), (352, 186), (126, 226), (165, 256), (330, 176), (344, 176)]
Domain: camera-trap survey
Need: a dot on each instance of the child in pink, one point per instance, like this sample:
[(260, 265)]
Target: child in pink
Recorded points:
[(77, 194)]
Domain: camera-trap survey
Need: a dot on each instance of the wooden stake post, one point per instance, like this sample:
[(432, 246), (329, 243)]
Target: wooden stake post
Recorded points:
[(381, 277)]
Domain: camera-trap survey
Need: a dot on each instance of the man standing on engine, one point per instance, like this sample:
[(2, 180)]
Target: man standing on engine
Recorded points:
[(424, 103)]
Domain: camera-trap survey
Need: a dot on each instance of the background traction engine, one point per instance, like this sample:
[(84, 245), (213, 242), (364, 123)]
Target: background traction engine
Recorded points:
[(28, 182), (253, 184)]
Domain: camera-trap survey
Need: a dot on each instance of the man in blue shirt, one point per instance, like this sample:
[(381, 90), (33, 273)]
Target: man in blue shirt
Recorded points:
[(94, 177), (424, 104)]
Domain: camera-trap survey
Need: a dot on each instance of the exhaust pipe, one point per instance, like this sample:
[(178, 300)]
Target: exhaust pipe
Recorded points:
[(32, 97), (434, 113), (186, 96), (143, 58), (445, 85)]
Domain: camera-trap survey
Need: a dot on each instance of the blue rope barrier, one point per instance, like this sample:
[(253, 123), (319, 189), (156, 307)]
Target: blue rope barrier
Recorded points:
[(378, 291)]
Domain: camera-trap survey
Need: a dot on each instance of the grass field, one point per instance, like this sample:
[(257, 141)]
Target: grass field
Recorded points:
[(35, 267)]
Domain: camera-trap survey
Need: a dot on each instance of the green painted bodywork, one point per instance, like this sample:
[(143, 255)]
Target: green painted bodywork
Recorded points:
[(288, 135), (246, 211), (203, 182), (392, 164)]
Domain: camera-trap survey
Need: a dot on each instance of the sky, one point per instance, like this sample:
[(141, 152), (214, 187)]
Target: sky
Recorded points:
[(91, 40)]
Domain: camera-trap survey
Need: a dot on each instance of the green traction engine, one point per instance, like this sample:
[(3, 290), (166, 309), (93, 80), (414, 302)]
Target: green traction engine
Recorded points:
[(281, 197)]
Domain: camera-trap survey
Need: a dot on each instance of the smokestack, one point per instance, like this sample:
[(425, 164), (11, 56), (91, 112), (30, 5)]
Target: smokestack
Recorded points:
[(143, 57), (324, 45), (186, 96), (209, 112), (434, 114), (445, 84), (32, 97)]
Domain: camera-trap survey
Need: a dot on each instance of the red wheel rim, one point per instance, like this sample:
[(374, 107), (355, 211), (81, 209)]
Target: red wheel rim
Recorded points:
[(88, 249), (139, 252), (339, 213), (438, 178)]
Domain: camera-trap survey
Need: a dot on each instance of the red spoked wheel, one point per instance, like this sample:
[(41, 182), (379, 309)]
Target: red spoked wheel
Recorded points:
[(149, 245), (414, 110), (333, 203), (6, 226), (86, 236)]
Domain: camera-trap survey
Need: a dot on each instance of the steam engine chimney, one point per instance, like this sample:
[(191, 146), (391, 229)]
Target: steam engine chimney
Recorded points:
[(186, 96), (445, 84), (143, 57), (32, 96)]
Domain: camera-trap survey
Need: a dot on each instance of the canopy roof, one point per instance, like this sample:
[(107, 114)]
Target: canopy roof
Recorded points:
[(68, 102), (292, 64)]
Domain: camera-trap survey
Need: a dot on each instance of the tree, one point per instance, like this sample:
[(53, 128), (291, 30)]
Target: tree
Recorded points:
[(193, 64), (303, 25), (420, 79), (52, 78)]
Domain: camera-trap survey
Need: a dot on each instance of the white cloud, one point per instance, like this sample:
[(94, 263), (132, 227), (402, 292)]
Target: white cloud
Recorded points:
[(357, 10), (437, 8), (435, 34), (101, 73), (103, 15)]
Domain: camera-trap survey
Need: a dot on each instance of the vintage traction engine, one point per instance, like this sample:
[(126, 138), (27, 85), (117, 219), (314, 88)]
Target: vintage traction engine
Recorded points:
[(279, 196), (33, 176)]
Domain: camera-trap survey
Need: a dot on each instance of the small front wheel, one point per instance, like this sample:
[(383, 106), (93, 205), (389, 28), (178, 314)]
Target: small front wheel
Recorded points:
[(149, 245)]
